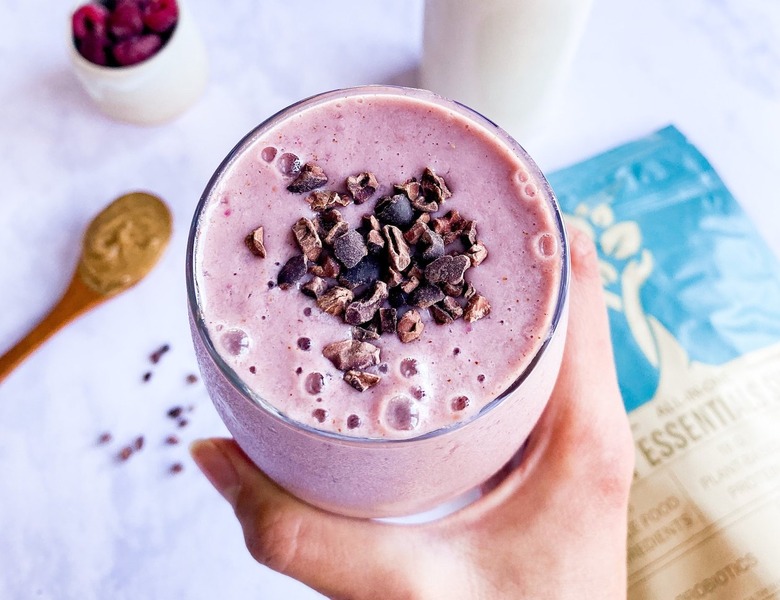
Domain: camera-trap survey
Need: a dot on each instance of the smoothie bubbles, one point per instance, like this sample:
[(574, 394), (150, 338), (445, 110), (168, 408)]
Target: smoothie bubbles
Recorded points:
[(377, 282)]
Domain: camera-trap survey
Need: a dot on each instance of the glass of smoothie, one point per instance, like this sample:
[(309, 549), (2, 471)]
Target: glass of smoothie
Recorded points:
[(377, 281)]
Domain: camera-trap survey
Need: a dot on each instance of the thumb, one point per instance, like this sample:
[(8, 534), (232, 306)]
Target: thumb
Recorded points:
[(335, 555)]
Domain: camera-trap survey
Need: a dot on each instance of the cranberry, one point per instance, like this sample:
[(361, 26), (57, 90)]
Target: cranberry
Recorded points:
[(90, 18), (125, 20), (160, 15)]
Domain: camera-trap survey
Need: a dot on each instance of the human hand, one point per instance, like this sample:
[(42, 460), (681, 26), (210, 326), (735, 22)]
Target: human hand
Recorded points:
[(554, 527)]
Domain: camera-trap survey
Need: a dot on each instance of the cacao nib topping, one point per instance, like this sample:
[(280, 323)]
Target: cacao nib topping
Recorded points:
[(469, 233), (336, 232), (309, 179), (447, 269), (477, 253), (414, 233), (452, 306), (365, 272), (395, 210), (441, 316), (410, 327), (350, 355), (361, 380), (364, 335), (350, 248), (363, 310), (477, 308), (327, 267), (375, 242), (292, 271), (410, 284), (397, 248), (320, 201), (362, 186), (388, 320), (304, 343), (411, 188), (453, 289), (315, 287), (314, 383), (433, 187), (254, 241), (309, 241), (335, 300), (370, 222), (433, 244), (394, 278), (426, 295)]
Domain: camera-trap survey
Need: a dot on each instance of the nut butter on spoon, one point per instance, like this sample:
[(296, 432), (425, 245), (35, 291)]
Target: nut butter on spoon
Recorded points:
[(120, 246)]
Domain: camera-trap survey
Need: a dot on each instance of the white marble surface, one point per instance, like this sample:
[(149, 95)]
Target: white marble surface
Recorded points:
[(73, 522)]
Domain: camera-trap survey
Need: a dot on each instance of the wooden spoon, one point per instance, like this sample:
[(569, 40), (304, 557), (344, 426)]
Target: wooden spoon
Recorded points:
[(120, 246)]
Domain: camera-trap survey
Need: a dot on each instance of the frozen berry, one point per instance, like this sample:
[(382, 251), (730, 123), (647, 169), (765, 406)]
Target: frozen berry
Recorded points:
[(125, 20), (90, 18), (136, 49), (93, 47), (160, 15)]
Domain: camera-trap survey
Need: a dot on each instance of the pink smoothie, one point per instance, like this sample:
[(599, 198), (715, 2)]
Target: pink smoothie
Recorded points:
[(444, 411)]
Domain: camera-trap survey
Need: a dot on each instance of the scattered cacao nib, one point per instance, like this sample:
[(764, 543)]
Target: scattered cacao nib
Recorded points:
[(147, 376), (336, 231), (459, 403), (433, 244), (447, 269), (176, 468), (335, 300), (426, 295), (254, 241), (433, 187), (314, 383), (361, 380), (292, 271), (477, 308), (138, 443), (191, 379), (171, 440), (364, 334), (327, 267), (424, 205), (308, 240), (388, 320), (104, 438), (410, 326), (477, 253), (363, 310), (468, 233), (397, 248), (349, 355), (395, 210), (125, 453), (183, 423), (175, 412), (320, 201), (468, 290), (309, 179), (353, 422), (315, 287), (365, 272), (155, 356), (375, 242), (304, 343), (362, 186), (350, 248)]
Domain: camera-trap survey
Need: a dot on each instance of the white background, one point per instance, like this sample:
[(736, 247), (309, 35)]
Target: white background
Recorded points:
[(76, 524)]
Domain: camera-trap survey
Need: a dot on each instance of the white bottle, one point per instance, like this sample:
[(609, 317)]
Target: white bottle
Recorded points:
[(507, 59)]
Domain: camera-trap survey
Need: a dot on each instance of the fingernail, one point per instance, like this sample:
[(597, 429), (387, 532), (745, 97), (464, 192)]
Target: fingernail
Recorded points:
[(217, 468)]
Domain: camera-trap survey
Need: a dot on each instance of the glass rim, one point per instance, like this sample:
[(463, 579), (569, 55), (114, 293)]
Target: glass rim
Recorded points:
[(237, 382)]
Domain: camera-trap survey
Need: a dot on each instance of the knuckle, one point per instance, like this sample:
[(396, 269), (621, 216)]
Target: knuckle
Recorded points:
[(274, 540), (584, 256)]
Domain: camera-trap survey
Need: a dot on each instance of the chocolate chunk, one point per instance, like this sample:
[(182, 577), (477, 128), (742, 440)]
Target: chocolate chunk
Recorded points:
[(364, 335), (433, 245), (336, 232), (362, 186), (395, 210), (433, 187), (320, 201), (477, 253), (315, 287), (477, 308), (397, 248), (306, 235), (254, 241), (362, 311), (350, 248), (361, 380), (335, 300), (397, 297), (366, 271), (309, 179), (327, 267), (448, 269), (410, 326), (426, 295), (388, 320), (350, 355), (292, 271)]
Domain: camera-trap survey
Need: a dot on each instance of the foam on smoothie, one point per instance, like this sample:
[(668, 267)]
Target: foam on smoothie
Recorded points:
[(452, 371)]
